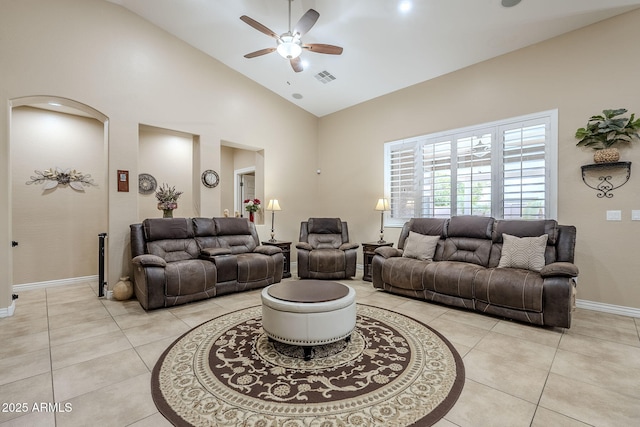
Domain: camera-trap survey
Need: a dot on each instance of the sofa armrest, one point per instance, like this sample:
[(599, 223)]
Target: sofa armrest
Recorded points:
[(562, 269), (304, 245), (348, 245), (267, 250), (388, 251), (149, 261), (211, 252)]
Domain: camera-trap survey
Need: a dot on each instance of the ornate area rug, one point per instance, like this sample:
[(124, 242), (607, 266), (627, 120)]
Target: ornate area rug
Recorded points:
[(395, 371)]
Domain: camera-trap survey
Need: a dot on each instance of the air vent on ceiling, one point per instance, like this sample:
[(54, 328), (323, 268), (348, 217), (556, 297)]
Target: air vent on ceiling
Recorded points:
[(325, 77)]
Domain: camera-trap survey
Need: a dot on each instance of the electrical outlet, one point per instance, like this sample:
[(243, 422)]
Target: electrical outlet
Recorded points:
[(635, 215), (614, 215)]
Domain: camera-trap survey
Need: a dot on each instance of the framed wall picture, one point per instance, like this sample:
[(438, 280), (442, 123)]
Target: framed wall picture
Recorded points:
[(123, 180)]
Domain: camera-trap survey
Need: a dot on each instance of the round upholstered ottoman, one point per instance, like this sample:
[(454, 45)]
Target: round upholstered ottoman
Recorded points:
[(308, 312)]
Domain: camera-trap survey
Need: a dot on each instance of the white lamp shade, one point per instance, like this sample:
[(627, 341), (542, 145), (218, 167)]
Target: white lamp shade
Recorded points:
[(273, 205), (383, 205), (289, 47)]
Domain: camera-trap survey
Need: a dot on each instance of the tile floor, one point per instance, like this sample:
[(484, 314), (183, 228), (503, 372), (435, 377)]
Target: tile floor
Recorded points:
[(95, 356)]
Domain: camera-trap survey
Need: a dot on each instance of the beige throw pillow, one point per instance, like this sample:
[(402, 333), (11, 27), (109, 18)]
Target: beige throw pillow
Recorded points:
[(523, 252), (420, 246)]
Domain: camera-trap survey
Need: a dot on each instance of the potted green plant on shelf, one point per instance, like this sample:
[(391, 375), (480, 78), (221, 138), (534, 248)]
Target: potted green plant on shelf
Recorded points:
[(604, 131)]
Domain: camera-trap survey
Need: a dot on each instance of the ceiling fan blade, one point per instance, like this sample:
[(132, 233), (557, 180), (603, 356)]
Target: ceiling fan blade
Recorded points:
[(260, 52), (296, 64), (258, 26), (307, 21), (323, 48)]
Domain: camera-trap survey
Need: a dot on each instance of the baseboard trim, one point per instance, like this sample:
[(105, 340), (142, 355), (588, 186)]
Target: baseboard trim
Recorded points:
[(8, 311), (608, 308), (54, 283)]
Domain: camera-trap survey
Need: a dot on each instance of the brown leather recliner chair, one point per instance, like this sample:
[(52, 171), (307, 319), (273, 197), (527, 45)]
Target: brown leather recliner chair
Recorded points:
[(324, 250)]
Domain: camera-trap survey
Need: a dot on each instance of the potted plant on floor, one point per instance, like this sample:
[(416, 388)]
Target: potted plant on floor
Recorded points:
[(604, 131)]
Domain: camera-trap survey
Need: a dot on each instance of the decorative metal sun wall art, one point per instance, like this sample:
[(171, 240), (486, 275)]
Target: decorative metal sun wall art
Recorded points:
[(52, 177)]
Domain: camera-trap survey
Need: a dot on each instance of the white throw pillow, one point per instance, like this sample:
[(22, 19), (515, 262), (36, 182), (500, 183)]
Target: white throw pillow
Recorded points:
[(523, 252), (420, 246)]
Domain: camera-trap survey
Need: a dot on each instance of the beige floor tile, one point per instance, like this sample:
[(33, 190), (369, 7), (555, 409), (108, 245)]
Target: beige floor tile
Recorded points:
[(505, 374), (383, 299), (116, 405), (421, 310), (16, 345), (117, 308), (471, 318), (69, 294), (26, 392), (592, 370), (523, 351), (150, 353), (15, 368), (480, 406), (588, 403), (144, 334), (19, 326), (606, 351), (585, 317), (82, 331), (545, 336), (155, 420), (89, 348), (76, 317), (443, 422), (72, 306), (96, 373), (32, 419), (196, 318), (458, 332), (606, 332), (547, 418), (139, 318)]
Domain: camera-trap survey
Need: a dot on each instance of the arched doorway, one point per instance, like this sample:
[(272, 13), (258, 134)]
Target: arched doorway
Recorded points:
[(59, 190)]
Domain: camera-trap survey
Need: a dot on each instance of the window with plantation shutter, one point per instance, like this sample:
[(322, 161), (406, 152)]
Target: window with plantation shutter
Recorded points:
[(504, 169)]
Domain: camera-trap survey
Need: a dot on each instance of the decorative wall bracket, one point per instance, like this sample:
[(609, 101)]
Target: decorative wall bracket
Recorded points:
[(607, 181)]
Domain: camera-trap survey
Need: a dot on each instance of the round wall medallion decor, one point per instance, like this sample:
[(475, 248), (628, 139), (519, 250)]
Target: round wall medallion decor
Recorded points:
[(210, 178), (146, 183)]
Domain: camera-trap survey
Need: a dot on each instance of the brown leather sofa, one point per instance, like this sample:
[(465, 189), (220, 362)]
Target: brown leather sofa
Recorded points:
[(179, 260), (324, 250), (472, 268)]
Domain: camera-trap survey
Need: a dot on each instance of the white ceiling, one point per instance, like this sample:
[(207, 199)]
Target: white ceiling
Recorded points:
[(384, 49)]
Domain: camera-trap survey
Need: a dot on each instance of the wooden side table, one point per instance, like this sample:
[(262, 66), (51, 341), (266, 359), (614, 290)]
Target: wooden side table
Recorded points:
[(368, 251), (286, 251)]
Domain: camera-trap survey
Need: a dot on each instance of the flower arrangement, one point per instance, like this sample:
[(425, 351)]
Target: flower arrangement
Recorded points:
[(253, 205), (167, 199)]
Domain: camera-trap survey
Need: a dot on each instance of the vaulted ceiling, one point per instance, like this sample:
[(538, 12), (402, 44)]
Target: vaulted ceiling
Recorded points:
[(386, 47)]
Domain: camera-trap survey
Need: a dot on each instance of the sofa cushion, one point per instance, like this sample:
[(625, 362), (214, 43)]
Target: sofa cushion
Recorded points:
[(451, 278), (167, 228), (325, 225), (420, 246), (173, 250), (404, 273), (513, 288), (190, 277), (204, 227), (327, 261), (526, 228), (253, 267), (465, 249), (429, 226), (238, 243), (232, 226), (479, 227), (523, 252)]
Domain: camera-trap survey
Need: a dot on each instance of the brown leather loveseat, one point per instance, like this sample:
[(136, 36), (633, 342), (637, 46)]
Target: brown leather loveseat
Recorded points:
[(517, 269), (179, 260)]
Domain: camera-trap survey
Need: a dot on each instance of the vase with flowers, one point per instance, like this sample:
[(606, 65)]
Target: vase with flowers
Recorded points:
[(252, 206), (167, 200)]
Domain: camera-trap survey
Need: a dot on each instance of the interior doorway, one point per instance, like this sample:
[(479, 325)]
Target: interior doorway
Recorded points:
[(245, 188)]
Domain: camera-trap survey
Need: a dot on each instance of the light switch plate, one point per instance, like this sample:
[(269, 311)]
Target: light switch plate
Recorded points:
[(614, 215), (635, 215)]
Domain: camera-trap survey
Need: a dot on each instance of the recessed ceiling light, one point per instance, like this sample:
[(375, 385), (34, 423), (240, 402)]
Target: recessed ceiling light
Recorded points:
[(405, 6), (297, 96), (510, 3)]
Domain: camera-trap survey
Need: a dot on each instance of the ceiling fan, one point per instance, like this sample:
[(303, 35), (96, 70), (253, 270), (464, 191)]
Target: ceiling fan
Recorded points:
[(289, 45)]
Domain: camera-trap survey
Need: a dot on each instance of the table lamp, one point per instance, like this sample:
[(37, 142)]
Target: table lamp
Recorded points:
[(273, 206), (382, 206)]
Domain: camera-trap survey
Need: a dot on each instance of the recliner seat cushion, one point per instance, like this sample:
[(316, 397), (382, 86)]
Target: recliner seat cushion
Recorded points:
[(451, 278), (190, 277), (327, 261), (509, 287), (255, 267), (405, 273)]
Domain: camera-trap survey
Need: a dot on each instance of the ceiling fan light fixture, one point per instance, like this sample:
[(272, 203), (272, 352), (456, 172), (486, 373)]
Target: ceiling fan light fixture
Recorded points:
[(289, 47)]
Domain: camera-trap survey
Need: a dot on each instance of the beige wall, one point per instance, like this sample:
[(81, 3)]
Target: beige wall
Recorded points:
[(57, 228), (101, 55), (580, 74), (168, 157)]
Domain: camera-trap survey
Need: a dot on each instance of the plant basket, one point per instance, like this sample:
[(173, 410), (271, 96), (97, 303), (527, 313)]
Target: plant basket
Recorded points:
[(606, 155)]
